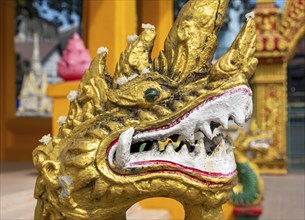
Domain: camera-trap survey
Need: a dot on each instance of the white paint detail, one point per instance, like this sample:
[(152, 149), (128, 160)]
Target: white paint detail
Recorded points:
[(148, 26), (61, 120), (145, 70), (132, 38), (72, 95), (45, 139), (122, 80), (64, 182), (102, 50)]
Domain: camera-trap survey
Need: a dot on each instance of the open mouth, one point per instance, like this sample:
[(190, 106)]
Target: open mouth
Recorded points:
[(189, 144)]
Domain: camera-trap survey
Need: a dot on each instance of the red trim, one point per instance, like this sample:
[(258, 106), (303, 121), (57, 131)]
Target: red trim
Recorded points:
[(253, 210), (184, 168)]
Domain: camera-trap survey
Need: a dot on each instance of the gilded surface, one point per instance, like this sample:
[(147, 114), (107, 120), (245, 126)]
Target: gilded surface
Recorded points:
[(278, 37), (77, 176)]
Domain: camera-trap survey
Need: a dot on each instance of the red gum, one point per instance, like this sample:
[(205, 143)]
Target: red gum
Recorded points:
[(184, 168), (208, 183)]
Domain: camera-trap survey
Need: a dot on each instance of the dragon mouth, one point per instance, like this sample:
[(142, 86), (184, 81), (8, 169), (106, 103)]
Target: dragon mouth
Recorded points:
[(190, 144)]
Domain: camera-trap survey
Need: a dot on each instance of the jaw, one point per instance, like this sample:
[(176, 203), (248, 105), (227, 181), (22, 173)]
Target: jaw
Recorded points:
[(189, 145)]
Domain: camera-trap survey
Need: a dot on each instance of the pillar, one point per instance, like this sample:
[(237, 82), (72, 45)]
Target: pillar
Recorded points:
[(159, 13), (107, 23), (19, 135), (7, 68), (276, 41)]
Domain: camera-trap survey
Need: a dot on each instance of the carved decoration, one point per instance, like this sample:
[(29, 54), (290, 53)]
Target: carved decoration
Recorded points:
[(277, 38), (276, 41)]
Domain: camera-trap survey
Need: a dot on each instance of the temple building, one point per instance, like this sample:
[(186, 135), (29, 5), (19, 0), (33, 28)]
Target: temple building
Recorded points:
[(33, 100)]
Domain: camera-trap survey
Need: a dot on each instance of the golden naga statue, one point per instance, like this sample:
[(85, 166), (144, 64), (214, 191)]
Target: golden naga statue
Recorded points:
[(250, 188), (148, 131)]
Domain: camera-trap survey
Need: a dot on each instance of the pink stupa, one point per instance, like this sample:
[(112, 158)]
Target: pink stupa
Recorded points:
[(75, 59)]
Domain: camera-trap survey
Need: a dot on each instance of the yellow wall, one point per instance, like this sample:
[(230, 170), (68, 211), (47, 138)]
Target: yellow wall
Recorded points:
[(158, 13), (61, 104)]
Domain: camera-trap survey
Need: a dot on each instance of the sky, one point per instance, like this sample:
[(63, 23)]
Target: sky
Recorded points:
[(49, 14)]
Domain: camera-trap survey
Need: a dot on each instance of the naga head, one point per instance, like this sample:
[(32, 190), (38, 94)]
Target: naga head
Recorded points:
[(254, 141), (148, 130)]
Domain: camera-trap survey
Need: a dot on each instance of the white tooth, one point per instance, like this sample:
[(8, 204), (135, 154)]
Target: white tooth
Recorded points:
[(200, 143), (229, 149), (188, 134), (224, 122), (126, 139), (223, 148), (239, 119), (123, 148), (217, 153), (184, 150), (216, 132), (180, 138), (198, 135), (169, 149), (206, 128), (248, 111), (155, 147), (199, 148)]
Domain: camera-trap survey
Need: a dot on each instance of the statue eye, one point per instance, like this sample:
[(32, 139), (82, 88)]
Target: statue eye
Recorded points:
[(152, 94)]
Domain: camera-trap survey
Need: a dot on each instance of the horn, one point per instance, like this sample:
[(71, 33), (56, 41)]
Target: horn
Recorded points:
[(191, 42), (239, 59), (136, 58)]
